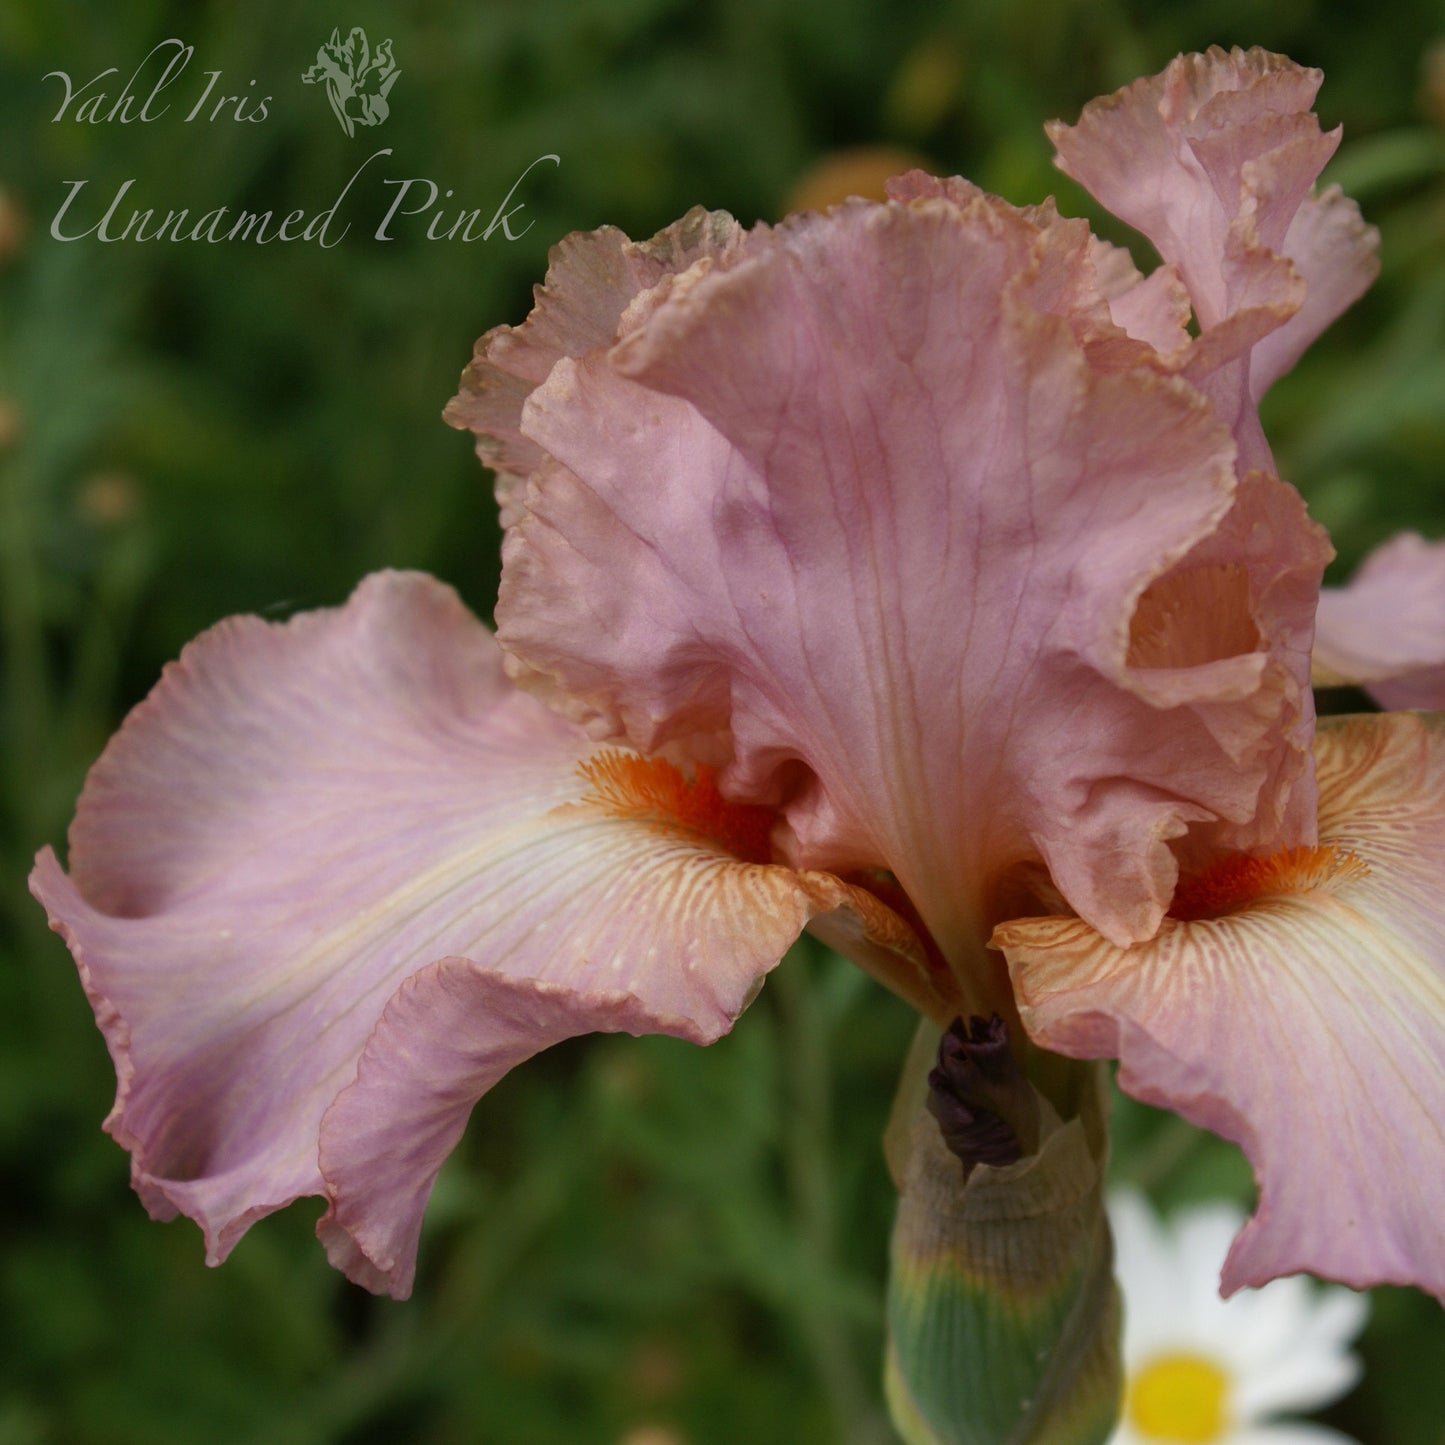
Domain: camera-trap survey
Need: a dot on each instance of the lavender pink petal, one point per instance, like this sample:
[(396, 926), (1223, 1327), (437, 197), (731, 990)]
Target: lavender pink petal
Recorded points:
[(592, 278), (864, 504), (1308, 1024), (317, 848), (1385, 629), (1213, 160)]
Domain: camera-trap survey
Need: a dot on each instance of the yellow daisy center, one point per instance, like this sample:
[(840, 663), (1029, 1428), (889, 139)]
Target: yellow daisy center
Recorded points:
[(1178, 1398)]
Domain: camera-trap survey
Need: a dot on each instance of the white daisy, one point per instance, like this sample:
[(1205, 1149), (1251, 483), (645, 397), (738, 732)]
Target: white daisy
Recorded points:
[(1201, 1370)]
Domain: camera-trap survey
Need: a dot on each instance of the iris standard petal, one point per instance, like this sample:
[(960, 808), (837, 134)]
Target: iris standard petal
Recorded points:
[(303, 817), (1334, 250), (861, 503), (1300, 1011), (1228, 630), (1099, 280), (592, 277), (1213, 160)]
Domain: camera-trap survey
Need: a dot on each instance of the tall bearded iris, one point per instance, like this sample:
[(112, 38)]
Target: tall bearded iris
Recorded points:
[(915, 573)]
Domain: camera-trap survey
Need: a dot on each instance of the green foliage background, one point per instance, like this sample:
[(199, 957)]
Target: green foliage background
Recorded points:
[(638, 1242)]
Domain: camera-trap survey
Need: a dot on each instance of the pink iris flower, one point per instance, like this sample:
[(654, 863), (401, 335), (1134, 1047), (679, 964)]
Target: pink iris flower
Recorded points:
[(915, 574)]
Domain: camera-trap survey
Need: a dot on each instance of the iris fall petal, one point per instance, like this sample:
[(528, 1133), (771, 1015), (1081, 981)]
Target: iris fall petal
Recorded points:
[(1302, 1016), (318, 845)]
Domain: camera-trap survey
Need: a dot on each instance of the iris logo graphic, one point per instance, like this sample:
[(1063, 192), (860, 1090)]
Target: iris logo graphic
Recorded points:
[(357, 79)]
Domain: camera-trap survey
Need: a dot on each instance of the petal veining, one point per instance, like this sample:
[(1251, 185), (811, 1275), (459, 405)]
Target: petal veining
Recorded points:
[(863, 504), (1308, 1024), (304, 817)]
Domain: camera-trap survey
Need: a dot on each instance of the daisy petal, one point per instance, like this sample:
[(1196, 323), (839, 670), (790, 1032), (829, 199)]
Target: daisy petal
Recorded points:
[(1303, 1016), (1289, 1433), (1285, 1346), (1151, 1272), (1305, 1380), (301, 818), (1385, 630)]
